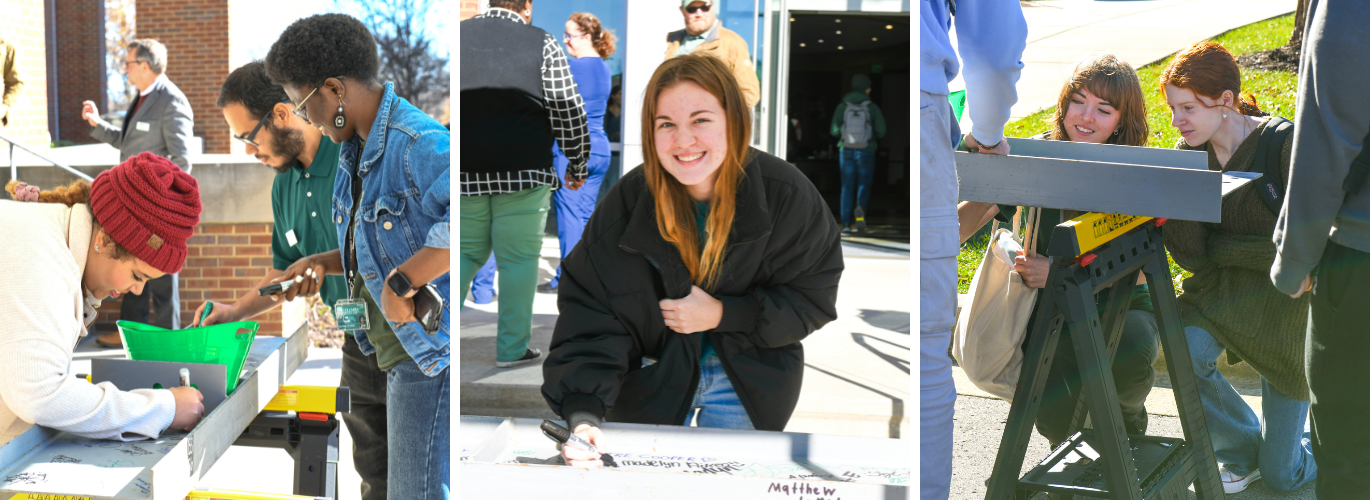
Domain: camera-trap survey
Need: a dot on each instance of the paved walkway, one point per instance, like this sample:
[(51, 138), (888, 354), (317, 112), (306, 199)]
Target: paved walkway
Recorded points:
[(857, 379), (1060, 32)]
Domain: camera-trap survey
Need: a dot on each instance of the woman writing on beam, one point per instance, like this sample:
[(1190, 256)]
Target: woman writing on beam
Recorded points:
[(697, 278)]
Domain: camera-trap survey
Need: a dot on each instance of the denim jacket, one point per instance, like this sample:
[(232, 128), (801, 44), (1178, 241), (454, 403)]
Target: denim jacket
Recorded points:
[(405, 205)]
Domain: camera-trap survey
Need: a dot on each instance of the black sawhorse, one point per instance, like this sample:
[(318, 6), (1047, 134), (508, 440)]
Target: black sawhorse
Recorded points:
[(312, 440), (1105, 462)]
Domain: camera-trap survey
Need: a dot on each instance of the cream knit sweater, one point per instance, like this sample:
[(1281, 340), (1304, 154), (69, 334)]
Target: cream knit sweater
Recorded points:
[(44, 311)]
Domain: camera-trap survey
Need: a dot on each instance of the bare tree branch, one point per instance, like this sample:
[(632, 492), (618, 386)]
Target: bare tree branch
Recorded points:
[(120, 24), (407, 55)]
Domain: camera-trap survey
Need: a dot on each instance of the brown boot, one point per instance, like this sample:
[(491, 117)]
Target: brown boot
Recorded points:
[(111, 340)]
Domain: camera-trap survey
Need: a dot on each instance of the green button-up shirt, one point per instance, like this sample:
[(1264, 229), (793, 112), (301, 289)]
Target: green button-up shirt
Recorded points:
[(301, 206)]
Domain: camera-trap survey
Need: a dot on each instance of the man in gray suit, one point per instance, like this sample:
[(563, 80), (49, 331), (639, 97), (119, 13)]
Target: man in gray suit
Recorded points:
[(159, 121)]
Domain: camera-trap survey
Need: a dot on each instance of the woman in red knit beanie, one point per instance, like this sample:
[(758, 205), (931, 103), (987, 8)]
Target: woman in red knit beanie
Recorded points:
[(81, 245)]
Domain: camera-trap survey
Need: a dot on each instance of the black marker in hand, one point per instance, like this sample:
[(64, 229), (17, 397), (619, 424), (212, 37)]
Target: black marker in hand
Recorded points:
[(564, 436)]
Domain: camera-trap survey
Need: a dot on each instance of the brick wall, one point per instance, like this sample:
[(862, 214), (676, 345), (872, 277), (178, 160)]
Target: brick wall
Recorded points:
[(80, 67), (195, 33), (22, 23), (469, 8), (224, 262)]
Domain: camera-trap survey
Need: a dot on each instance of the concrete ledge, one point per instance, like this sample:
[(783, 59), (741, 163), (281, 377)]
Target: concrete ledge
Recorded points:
[(234, 189)]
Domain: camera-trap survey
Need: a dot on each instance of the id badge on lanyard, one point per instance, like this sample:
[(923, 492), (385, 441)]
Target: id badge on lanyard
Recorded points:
[(352, 313)]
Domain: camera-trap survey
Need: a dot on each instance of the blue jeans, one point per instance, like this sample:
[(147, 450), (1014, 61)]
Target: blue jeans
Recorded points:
[(858, 171), (716, 400), (1280, 446), (483, 285), (418, 426)]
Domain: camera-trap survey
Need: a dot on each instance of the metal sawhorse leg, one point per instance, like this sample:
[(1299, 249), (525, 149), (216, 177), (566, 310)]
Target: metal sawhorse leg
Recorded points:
[(1105, 462)]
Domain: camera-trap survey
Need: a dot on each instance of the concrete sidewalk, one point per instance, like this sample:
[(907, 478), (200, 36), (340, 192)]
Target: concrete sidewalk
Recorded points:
[(1060, 32), (857, 379)]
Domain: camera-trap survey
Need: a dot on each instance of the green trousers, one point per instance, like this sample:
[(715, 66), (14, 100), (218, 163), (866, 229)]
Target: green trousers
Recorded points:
[(510, 225)]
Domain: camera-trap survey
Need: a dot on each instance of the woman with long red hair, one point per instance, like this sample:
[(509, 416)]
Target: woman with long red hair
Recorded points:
[(697, 277), (1229, 304)]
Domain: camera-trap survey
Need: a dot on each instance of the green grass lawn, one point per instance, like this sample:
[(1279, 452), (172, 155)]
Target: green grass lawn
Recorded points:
[(1274, 92)]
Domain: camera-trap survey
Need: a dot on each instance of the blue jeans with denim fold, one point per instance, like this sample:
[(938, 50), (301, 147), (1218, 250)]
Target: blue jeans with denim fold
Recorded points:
[(1278, 444), (419, 428), (858, 172), (716, 400)]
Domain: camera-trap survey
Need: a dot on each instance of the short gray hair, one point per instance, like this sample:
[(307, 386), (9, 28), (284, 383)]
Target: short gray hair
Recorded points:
[(150, 51)]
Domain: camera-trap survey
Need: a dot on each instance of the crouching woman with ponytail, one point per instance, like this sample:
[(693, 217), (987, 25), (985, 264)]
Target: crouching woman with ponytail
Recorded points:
[(65, 254), (697, 277), (1229, 304)]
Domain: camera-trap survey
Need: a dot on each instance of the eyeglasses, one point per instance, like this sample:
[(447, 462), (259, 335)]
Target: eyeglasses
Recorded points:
[(568, 36), (691, 9), (127, 63), (299, 108), (251, 138)]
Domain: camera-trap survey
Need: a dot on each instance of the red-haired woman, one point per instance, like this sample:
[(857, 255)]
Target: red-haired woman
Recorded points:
[(712, 259), (1229, 303), (76, 247)]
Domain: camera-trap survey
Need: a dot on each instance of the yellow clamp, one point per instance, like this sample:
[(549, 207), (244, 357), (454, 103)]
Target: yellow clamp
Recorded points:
[(311, 399), (215, 494), (1093, 229)]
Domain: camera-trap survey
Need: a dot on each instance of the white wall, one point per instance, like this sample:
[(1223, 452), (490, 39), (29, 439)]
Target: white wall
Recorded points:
[(644, 46)]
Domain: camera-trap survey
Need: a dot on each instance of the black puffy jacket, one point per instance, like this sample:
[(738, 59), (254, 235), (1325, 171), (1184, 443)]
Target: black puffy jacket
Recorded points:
[(778, 284)]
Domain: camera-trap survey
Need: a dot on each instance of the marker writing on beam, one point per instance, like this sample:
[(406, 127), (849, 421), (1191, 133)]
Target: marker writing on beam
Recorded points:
[(185, 377)]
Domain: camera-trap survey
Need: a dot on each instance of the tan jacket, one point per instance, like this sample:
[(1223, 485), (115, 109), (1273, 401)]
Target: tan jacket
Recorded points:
[(729, 48), (44, 311), (9, 74)]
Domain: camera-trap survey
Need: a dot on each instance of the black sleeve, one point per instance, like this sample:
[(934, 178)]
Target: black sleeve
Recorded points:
[(591, 347), (801, 294)]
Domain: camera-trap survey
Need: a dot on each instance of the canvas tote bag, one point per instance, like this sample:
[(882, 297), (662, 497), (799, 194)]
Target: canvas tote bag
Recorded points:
[(988, 339)]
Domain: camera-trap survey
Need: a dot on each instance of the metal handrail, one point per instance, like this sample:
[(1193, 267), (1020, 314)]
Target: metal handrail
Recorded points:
[(14, 169)]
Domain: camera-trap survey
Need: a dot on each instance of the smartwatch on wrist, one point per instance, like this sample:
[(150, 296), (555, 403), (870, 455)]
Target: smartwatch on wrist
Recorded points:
[(399, 283)]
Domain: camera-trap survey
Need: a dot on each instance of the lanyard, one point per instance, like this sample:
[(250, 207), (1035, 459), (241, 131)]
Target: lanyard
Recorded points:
[(353, 226)]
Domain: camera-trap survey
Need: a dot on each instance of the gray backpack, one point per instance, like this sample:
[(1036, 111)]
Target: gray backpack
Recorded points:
[(856, 125)]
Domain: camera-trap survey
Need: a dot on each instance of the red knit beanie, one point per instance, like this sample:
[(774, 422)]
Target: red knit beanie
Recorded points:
[(150, 207)]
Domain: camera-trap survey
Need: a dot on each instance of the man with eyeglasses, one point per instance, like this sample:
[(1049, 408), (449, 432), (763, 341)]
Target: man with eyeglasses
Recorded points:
[(261, 116), (705, 34), (518, 96), (159, 121)]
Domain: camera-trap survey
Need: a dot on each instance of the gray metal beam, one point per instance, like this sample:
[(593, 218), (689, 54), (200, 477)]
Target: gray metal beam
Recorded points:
[(499, 454), (1109, 153), (1090, 186), (42, 460)]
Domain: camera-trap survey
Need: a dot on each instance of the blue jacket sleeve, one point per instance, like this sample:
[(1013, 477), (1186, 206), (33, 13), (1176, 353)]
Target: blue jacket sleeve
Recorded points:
[(436, 179), (992, 35)]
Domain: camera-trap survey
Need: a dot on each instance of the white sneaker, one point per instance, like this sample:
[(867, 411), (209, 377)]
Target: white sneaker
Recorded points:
[(1233, 483)]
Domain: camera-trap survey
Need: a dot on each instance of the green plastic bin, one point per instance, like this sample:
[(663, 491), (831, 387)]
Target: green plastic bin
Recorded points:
[(226, 344)]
